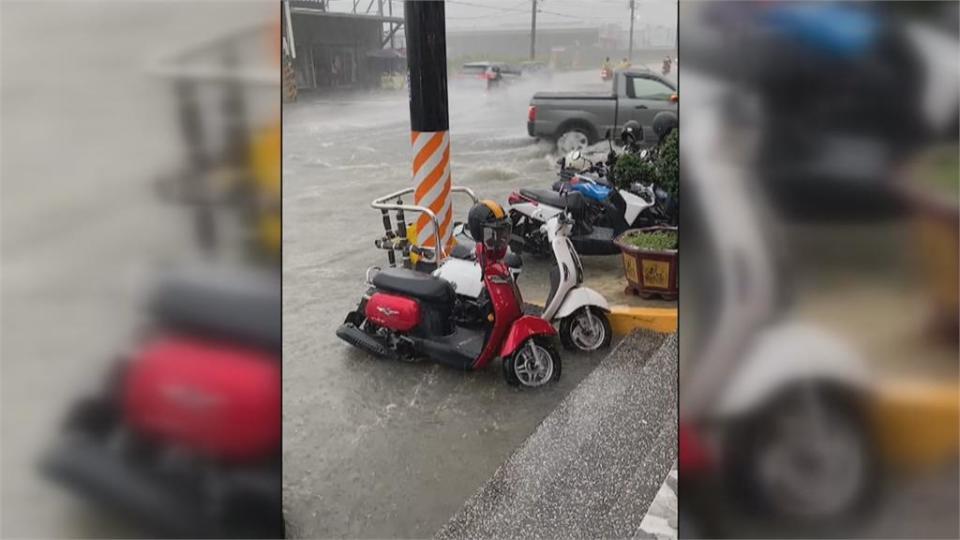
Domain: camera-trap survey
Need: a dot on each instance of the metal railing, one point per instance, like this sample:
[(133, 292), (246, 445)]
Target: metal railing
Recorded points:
[(395, 240)]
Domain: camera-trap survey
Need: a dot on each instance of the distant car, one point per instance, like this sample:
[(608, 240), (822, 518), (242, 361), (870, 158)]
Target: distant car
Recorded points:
[(575, 120), (534, 69)]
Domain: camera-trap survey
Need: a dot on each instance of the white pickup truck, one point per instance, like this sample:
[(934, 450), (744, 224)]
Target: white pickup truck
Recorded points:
[(575, 120)]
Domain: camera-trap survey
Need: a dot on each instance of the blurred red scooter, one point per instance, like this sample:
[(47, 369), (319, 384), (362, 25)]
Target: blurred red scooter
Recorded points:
[(184, 436)]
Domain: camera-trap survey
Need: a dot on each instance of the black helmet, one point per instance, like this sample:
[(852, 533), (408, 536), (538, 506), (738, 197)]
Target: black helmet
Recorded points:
[(632, 133), (489, 226), (664, 122)]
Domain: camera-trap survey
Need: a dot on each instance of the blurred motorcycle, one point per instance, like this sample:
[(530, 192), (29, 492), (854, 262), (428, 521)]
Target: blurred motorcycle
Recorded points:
[(772, 409), (184, 434)]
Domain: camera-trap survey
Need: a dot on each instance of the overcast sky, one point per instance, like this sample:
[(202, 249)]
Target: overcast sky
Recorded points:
[(487, 14)]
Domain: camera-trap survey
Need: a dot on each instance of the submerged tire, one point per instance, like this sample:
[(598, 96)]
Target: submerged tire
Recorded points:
[(586, 330), (574, 136), (533, 364)]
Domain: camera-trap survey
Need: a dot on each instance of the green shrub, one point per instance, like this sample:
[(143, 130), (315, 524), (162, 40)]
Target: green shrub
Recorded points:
[(939, 169), (629, 168), (668, 164), (652, 240)]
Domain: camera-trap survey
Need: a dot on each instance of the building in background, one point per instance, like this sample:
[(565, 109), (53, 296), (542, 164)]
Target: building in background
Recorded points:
[(342, 49)]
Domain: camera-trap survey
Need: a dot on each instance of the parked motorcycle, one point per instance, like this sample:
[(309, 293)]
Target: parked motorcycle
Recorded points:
[(184, 435), (580, 311), (407, 314), (600, 212), (772, 409)]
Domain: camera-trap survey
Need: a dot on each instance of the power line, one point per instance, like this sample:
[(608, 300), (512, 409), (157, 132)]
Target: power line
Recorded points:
[(513, 10)]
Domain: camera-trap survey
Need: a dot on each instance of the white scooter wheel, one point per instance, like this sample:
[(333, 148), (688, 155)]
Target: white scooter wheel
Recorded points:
[(533, 364), (807, 458), (587, 329)]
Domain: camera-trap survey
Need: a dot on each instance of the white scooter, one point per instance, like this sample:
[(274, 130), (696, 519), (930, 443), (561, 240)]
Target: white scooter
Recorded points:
[(580, 311), (773, 403)]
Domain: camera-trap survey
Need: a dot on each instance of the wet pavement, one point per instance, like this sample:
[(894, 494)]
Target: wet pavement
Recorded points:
[(379, 449), (596, 463)]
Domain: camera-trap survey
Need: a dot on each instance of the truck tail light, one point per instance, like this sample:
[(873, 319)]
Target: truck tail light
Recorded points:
[(531, 113)]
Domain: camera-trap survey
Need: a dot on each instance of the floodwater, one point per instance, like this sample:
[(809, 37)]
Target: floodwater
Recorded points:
[(374, 448)]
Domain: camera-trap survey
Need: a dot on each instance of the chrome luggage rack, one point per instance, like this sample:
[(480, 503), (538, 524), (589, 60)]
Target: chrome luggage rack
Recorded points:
[(395, 237)]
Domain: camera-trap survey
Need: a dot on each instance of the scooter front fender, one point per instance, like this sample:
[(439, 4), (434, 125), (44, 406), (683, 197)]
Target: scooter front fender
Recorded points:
[(578, 298), (523, 328), (786, 355)]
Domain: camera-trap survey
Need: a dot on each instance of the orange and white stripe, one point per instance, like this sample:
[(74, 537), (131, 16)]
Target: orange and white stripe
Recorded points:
[(431, 176)]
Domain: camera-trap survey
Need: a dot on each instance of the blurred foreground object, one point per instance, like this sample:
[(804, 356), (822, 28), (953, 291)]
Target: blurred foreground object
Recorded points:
[(183, 437), (796, 388), (931, 186), (231, 171)]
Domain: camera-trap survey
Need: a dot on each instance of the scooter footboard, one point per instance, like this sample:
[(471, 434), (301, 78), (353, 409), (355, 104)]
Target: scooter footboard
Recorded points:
[(523, 328)]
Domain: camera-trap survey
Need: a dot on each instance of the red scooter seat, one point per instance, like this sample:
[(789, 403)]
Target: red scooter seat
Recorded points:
[(415, 284)]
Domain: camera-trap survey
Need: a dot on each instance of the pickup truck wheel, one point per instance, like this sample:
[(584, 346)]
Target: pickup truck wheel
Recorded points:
[(573, 138)]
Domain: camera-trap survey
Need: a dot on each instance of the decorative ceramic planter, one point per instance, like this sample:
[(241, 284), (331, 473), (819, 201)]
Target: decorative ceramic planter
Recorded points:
[(935, 214), (649, 272)]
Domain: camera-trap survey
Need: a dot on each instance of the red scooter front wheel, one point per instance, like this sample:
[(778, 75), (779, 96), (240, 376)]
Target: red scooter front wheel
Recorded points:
[(533, 364)]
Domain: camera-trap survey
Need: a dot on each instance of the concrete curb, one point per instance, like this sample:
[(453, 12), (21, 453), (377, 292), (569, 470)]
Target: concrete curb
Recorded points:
[(909, 443), (626, 319)]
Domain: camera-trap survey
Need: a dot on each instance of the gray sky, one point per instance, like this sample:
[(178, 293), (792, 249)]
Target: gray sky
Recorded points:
[(487, 14)]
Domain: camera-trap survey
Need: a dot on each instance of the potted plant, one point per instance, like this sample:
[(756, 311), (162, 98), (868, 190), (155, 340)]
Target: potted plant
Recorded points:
[(650, 261), (931, 190), (668, 172), (631, 168)]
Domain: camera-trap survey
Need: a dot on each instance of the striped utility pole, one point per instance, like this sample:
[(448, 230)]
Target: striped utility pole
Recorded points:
[(429, 120)]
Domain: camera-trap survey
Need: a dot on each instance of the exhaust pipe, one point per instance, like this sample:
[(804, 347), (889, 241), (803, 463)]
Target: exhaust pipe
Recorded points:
[(360, 339)]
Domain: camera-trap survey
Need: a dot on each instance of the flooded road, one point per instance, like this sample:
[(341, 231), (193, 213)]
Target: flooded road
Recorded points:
[(373, 448)]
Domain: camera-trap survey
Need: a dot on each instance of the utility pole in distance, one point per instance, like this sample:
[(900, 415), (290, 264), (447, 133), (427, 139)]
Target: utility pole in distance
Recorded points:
[(533, 31), (630, 50)]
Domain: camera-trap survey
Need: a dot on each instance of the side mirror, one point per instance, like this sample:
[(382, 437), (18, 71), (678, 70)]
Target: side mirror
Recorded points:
[(674, 98)]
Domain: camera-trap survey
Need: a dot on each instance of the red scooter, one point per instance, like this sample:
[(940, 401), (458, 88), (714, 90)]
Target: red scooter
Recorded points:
[(408, 314), (606, 74), (184, 437)]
